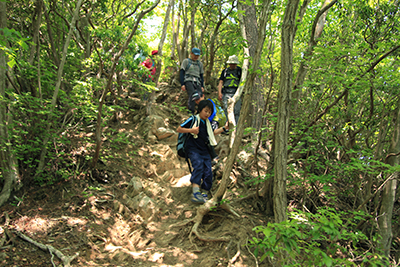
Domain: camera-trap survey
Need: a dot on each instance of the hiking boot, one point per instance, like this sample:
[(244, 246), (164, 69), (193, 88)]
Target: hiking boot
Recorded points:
[(197, 198), (205, 197)]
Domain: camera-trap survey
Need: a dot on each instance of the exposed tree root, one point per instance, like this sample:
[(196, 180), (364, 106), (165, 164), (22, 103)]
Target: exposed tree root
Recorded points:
[(180, 224), (236, 256), (229, 209), (201, 212), (65, 259)]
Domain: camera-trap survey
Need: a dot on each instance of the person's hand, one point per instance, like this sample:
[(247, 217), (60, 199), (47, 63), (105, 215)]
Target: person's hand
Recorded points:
[(226, 125), (183, 87), (202, 89), (220, 97), (195, 130)]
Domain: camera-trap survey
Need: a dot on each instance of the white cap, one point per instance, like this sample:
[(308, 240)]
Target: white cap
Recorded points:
[(233, 60)]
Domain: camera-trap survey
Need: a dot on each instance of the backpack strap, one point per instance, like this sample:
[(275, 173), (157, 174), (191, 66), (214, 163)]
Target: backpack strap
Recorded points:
[(189, 64), (188, 136)]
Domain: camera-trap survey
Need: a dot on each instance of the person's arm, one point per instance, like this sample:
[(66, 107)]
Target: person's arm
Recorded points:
[(221, 82), (182, 79), (194, 130), (221, 130), (202, 79)]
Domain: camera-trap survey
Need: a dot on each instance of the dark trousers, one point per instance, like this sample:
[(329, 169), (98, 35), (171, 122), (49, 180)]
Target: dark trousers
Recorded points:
[(192, 87), (202, 172)]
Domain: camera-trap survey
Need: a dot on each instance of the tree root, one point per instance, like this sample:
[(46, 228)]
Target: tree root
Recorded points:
[(229, 209), (201, 212), (236, 256), (65, 259), (180, 224)]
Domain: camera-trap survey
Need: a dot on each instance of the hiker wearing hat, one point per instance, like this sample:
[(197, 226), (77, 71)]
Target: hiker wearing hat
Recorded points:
[(191, 77), (229, 83)]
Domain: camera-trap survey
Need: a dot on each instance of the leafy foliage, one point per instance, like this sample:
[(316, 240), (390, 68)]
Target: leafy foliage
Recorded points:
[(326, 238)]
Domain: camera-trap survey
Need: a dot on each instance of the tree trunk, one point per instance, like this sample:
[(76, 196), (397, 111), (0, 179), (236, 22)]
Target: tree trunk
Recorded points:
[(185, 35), (389, 191), (192, 24), (246, 101), (174, 34), (210, 65), (282, 125), (53, 46), (257, 99), (7, 164)]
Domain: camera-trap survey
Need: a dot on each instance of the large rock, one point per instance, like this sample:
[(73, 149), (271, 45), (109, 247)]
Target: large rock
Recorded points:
[(135, 186), (149, 126), (168, 161), (146, 207)]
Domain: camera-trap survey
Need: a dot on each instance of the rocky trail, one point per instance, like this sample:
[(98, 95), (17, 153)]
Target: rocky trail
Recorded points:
[(135, 209)]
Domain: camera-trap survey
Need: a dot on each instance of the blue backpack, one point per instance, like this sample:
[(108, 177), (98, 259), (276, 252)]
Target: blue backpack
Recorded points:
[(182, 138)]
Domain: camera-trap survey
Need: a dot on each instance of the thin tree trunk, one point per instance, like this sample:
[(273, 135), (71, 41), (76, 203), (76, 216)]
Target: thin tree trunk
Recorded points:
[(180, 55), (174, 34), (7, 164), (213, 39), (36, 27), (53, 49), (257, 99), (389, 191), (282, 125), (183, 49), (192, 24)]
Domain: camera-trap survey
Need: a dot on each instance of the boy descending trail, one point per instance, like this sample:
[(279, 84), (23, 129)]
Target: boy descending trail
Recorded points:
[(197, 147)]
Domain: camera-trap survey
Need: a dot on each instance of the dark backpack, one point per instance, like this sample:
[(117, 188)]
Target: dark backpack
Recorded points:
[(182, 138), (190, 64), (238, 72)]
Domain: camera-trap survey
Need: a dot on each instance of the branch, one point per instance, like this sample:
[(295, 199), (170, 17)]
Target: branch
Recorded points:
[(65, 259)]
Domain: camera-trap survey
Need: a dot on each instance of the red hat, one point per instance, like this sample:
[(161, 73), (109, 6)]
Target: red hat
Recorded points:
[(154, 52)]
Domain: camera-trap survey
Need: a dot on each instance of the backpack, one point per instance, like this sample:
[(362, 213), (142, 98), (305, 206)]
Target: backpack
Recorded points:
[(218, 113), (238, 72), (190, 63), (152, 62), (182, 138)]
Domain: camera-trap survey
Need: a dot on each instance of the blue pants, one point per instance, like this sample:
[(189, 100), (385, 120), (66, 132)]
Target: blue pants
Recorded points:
[(202, 172)]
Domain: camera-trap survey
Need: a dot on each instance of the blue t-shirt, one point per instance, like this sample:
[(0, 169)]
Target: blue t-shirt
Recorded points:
[(197, 144)]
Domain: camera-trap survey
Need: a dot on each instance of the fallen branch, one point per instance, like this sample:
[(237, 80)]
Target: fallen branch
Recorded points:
[(65, 259)]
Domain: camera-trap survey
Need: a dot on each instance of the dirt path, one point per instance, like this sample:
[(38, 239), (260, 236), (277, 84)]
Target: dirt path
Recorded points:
[(114, 224)]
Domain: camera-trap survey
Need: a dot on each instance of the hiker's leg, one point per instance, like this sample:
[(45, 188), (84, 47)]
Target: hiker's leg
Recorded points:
[(190, 89), (207, 175), (197, 165), (225, 98), (236, 110)]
